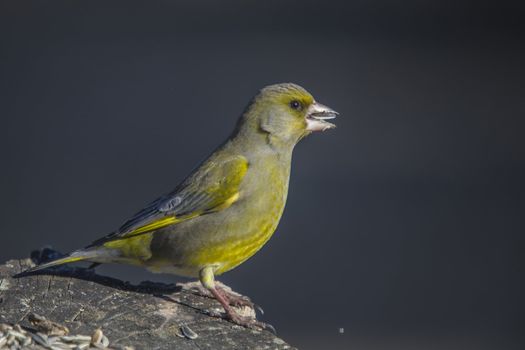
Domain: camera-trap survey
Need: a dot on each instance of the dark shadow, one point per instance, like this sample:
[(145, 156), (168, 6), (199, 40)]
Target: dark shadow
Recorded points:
[(44, 255)]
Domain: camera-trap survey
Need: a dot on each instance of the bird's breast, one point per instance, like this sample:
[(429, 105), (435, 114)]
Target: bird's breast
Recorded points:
[(259, 209)]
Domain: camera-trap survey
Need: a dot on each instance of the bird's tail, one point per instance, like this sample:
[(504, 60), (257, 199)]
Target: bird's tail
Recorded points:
[(79, 255)]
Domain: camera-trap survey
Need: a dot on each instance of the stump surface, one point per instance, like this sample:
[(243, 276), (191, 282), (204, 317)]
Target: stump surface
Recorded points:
[(144, 316)]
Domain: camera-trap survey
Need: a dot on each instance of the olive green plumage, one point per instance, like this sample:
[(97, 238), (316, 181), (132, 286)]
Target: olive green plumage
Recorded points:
[(230, 205)]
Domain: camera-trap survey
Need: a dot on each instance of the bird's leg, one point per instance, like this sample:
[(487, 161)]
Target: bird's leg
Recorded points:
[(208, 281)]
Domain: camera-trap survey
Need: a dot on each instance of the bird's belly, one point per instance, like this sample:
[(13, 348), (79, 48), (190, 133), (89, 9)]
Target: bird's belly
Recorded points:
[(223, 240), (224, 255), (166, 267), (231, 253)]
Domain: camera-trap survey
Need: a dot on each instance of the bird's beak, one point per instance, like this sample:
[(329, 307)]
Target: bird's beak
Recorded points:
[(316, 117)]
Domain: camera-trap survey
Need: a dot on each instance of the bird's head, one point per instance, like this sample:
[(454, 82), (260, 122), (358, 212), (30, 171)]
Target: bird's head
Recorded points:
[(287, 113)]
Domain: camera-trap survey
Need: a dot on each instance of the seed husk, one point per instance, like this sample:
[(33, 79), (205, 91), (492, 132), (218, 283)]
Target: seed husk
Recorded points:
[(5, 327), (3, 340), (78, 339), (188, 332), (97, 336), (105, 341), (40, 339), (16, 334)]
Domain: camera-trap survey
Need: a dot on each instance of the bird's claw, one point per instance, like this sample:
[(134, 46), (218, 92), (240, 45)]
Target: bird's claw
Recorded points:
[(251, 323), (261, 311)]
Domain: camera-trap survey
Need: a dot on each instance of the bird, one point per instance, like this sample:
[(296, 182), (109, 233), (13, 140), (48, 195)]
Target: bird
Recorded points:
[(227, 208)]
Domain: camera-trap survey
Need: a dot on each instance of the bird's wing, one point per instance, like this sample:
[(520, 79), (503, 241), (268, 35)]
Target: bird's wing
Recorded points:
[(213, 187)]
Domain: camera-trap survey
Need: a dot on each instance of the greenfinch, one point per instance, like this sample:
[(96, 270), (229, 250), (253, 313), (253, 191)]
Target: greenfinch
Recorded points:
[(227, 208)]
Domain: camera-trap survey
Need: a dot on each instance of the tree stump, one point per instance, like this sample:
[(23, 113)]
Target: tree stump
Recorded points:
[(68, 306)]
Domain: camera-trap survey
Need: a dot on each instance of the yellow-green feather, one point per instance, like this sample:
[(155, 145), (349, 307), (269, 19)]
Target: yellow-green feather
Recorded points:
[(224, 191)]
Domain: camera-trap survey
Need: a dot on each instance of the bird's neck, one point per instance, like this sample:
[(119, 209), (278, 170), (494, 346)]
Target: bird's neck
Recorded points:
[(257, 143)]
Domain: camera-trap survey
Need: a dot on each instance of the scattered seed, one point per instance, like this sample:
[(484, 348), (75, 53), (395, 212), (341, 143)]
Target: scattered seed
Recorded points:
[(76, 338), (39, 338), (27, 341), (3, 340), (16, 338), (5, 327), (188, 332), (10, 339), (105, 341), (59, 347), (16, 334), (97, 336)]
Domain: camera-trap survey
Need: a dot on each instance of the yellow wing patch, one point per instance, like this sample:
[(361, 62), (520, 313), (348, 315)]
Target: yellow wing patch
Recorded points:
[(153, 226)]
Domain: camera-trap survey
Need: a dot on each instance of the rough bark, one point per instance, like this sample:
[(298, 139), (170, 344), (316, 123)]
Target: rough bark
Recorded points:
[(144, 316)]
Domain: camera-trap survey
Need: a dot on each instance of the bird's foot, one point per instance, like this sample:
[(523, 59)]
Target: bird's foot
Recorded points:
[(237, 300), (233, 298), (244, 315), (198, 289)]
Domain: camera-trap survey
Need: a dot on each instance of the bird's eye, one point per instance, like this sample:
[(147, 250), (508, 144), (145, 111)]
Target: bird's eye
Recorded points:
[(296, 105)]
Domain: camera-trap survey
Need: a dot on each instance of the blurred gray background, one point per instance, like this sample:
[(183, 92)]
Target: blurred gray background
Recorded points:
[(404, 226)]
